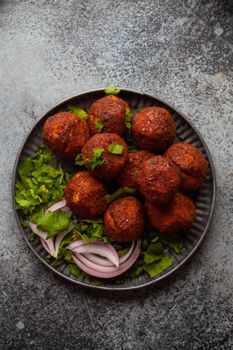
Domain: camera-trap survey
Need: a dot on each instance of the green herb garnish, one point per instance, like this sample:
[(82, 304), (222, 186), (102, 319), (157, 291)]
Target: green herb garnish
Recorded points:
[(53, 222), (91, 230), (115, 148), (99, 126), (40, 183), (75, 270), (97, 159), (79, 112), (78, 160), (121, 192), (128, 118), (174, 242), (111, 90), (156, 268)]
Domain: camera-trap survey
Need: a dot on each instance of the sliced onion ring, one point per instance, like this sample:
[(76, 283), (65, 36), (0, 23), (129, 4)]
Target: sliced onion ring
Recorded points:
[(59, 238), (100, 249), (105, 262), (127, 255), (56, 206), (98, 260), (48, 245), (118, 270), (94, 266), (76, 244), (34, 229)]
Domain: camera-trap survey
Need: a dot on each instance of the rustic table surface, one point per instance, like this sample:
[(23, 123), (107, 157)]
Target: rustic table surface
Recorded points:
[(179, 50)]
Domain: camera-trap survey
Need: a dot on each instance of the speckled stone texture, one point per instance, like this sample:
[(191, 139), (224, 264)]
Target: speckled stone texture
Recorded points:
[(179, 50)]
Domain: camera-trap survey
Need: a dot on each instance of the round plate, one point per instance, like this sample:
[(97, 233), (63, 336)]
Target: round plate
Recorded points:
[(204, 198)]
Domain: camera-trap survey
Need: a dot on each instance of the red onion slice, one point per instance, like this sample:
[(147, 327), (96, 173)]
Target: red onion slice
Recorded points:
[(118, 271), (45, 245), (104, 262), (94, 266), (56, 206), (98, 260), (48, 246), (99, 249), (59, 238), (127, 255), (76, 244), (34, 229)]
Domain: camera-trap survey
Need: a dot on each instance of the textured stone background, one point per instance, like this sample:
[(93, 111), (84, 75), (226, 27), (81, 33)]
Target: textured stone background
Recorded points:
[(179, 50)]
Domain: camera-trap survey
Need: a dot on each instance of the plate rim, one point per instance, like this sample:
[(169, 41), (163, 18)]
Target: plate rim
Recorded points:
[(116, 288)]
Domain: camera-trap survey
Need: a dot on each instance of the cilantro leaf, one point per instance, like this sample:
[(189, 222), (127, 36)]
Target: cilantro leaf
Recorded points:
[(156, 268), (121, 192), (97, 159), (78, 160), (53, 223), (75, 270), (99, 126), (128, 118), (25, 167), (79, 112), (91, 230), (111, 90), (150, 258), (155, 248), (115, 148), (174, 242)]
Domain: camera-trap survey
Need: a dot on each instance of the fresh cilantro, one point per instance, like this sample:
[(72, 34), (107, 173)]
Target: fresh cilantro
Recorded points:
[(79, 112), (39, 184), (115, 148), (32, 237), (174, 242), (155, 248), (99, 126), (111, 90), (97, 159), (150, 258), (75, 270), (121, 192), (128, 118), (78, 160), (156, 268), (53, 222), (91, 230)]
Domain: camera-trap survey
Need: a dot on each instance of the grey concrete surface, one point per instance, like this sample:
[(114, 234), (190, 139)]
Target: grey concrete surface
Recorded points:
[(179, 50)]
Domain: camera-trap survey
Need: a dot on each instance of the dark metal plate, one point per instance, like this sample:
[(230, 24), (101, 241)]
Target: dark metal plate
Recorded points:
[(204, 198)]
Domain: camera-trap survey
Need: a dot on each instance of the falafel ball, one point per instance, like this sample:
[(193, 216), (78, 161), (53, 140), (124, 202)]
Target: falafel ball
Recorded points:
[(65, 134), (159, 180), (191, 162), (85, 195), (176, 216), (153, 129), (99, 160), (129, 175), (108, 115), (124, 219)]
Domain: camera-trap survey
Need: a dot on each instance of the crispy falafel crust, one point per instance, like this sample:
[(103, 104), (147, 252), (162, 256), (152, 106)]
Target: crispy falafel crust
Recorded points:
[(153, 129), (65, 134), (113, 163), (85, 195), (176, 216), (129, 175), (124, 219), (191, 162), (159, 180), (110, 110)]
